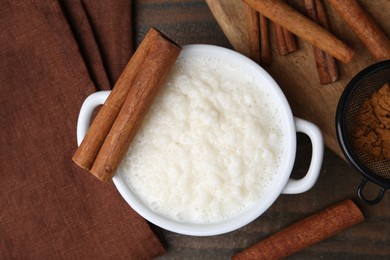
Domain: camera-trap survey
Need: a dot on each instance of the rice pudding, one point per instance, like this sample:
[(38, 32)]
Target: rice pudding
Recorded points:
[(209, 146)]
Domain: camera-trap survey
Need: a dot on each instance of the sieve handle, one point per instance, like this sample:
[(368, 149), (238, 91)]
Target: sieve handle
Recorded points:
[(295, 186), (363, 198)]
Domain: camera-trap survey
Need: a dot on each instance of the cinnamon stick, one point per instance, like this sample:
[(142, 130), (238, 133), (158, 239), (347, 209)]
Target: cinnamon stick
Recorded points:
[(155, 48), (285, 40), (265, 50), (326, 64), (284, 15), (153, 71), (291, 42), (281, 44), (252, 23), (306, 232), (375, 40), (86, 153)]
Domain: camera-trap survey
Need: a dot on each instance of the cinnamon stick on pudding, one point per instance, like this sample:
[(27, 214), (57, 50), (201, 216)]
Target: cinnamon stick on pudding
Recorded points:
[(117, 122), (152, 73), (305, 233), (86, 153), (375, 40), (325, 63), (284, 15)]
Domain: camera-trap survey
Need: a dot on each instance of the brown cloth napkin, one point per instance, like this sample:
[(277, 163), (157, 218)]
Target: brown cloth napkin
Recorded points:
[(52, 56)]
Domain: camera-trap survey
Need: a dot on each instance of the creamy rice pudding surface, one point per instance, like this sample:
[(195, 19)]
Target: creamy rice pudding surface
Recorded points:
[(209, 145)]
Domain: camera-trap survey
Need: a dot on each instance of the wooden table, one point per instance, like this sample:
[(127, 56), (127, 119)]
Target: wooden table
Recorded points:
[(190, 21)]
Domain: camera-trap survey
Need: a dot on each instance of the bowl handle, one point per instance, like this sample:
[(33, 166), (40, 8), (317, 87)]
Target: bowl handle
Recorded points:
[(90, 103), (295, 186), (363, 198)]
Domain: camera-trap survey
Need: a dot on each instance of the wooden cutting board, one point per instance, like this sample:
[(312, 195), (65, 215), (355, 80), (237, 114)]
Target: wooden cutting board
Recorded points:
[(296, 73)]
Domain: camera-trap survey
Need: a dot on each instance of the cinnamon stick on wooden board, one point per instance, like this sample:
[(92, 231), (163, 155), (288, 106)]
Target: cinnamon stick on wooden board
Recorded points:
[(230, 16), (86, 153), (285, 40), (325, 63), (284, 15), (253, 26), (265, 50), (118, 120), (371, 35), (306, 232), (291, 42), (279, 39)]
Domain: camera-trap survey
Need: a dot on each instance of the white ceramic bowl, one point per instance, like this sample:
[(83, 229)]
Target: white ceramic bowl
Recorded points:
[(282, 183)]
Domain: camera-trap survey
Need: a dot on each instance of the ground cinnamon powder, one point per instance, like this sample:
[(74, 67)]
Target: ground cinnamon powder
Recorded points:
[(372, 134)]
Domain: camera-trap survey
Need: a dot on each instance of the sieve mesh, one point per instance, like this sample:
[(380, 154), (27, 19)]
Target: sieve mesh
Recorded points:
[(361, 90)]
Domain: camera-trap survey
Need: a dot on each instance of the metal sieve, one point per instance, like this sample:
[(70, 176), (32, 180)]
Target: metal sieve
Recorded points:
[(358, 90)]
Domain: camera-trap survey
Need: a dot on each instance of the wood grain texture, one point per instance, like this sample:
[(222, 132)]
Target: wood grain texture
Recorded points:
[(191, 21), (232, 22)]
